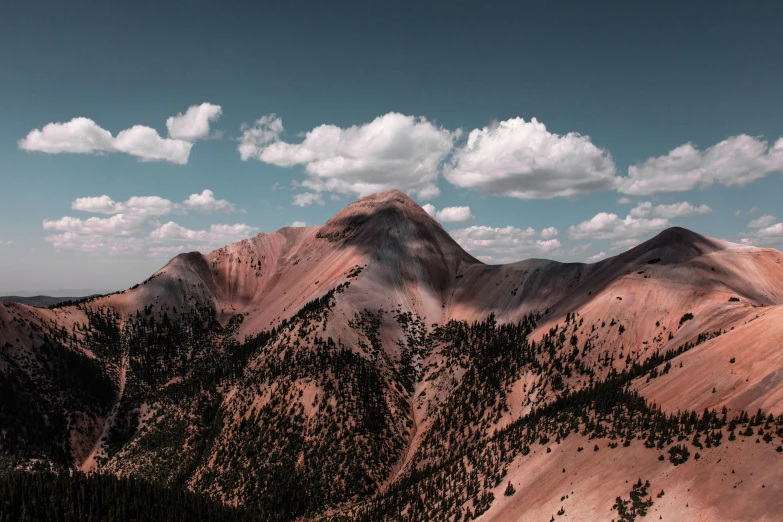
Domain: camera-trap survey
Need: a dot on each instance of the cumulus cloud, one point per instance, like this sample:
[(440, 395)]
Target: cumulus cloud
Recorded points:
[(762, 222), (449, 214), (84, 136), (610, 226), (736, 161), (6, 242), (96, 243), (764, 231), (264, 131), (217, 234), (599, 256), (154, 205), (194, 124), (306, 199), (503, 244), (772, 231), (392, 151), (771, 235), (524, 160), (118, 224), (126, 228), (454, 215), (146, 144), (78, 136), (298, 224), (100, 204), (549, 233), (642, 220), (624, 201), (206, 202), (675, 210)]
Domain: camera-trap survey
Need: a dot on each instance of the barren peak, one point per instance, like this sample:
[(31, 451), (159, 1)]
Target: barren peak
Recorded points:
[(392, 197), (676, 243), (678, 236), (390, 201), (376, 214)]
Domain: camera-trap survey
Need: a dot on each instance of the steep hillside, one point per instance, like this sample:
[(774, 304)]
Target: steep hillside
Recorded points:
[(370, 369)]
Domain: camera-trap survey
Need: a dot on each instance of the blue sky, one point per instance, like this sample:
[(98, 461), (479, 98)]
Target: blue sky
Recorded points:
[(321, 103)]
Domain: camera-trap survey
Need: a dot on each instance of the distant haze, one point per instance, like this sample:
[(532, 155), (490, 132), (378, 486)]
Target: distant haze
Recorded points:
[(63, 292)]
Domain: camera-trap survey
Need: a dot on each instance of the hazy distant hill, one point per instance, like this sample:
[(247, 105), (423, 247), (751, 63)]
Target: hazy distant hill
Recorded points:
[(41, 301)]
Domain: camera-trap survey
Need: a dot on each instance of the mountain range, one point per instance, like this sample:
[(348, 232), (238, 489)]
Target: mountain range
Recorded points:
[(371, 369)]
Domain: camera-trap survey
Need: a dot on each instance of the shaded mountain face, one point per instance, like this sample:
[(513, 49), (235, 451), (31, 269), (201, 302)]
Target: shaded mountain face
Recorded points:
[(370, 369)]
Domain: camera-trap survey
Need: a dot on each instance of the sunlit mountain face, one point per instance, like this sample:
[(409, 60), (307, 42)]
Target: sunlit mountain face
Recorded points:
[(255, 375)]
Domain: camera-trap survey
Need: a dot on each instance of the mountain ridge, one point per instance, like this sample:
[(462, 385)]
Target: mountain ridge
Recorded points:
[(256, 373)]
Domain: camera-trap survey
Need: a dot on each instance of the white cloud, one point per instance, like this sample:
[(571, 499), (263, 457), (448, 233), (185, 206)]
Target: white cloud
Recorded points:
[(78, 136), (762, 222), (511, 242), (298, 224), (172, 231), (6, 242), (549, 233), (206, 202), (454, 215), (96, 243), (449, 214), (307, 198), (624, 201), (194, 124), (736, 161), (154, 205), (609, 226), (267, 129), (100, 204), (645, 218), (675, 210), (772, 231), (84, 136), (392, 151), (523, 160), (599, 256), (146, 144), (118, 224), (150, 206), (126, 230), (766, 236)]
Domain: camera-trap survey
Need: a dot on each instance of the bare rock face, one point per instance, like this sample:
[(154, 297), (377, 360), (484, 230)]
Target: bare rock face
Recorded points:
[(371, 369)]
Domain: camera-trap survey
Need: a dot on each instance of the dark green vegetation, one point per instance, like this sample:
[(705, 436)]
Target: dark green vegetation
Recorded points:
[(49, 497), (637, 505), (291, 423)]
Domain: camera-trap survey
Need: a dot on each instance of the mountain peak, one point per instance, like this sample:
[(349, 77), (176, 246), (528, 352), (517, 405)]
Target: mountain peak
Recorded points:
[(675, 244), (385, 210), (388, 198)]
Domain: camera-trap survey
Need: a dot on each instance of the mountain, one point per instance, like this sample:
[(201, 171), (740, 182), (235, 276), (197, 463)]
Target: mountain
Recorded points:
[(371, 369), (41, 301)]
